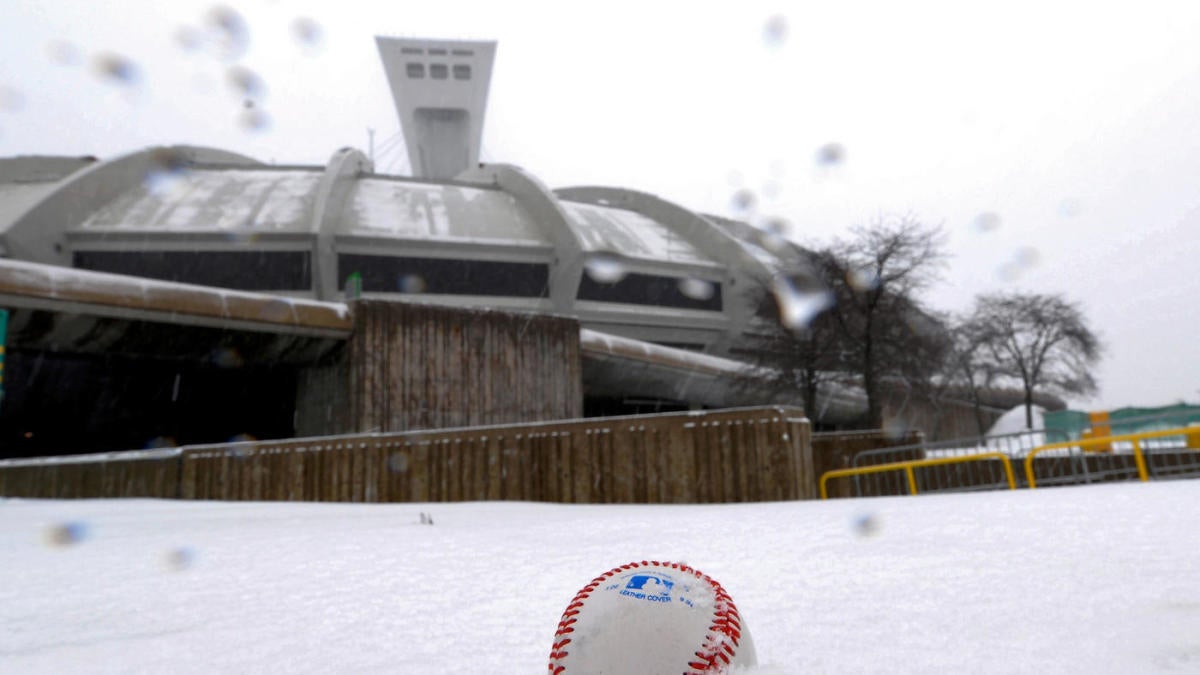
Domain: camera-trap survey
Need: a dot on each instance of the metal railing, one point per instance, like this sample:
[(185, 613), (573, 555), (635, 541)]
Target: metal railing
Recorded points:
[(986, 463), (910, 470), (1141, 447)]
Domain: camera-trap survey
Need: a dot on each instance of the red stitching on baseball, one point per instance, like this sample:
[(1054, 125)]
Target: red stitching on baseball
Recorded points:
[(724, 634)]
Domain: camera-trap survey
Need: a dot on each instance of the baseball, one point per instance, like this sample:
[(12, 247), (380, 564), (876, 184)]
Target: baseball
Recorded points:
[(650, 618)]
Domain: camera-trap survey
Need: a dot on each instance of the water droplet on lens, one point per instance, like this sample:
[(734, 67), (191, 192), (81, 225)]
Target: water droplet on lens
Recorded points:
[(895, 428), (775, 31), (605, 268), (800, 303), (308, 33), (1009, 271), (743, 200), (245, 82), (1027, 257), (117, 68), (773, 236), (397, 462), (276, 310), (161, 442), (169, 170), (986, 222), (697, 289), (1069, 208), (66, 534), (62, 52), (831, 154), (411, 283), (862, 279), (188, 38), (254, 119), (11, 100), (225, 357), (180, 559), (866, 525), (229, 31)]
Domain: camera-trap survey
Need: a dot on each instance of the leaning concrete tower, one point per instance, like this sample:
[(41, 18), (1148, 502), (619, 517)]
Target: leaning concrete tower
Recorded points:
[(440, 89)]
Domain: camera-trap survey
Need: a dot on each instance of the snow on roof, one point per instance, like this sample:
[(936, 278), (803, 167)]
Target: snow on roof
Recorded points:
[(440, 212), (615, 345), (633, 235), (64, 284), (259, 199)]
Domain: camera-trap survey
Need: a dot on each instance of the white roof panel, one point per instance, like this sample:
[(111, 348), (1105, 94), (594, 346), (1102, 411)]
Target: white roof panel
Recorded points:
[(262, 200), (630, 234), (408, 210)]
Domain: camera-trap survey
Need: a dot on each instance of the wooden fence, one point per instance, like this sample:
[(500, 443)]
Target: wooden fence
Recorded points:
[(751, 454)]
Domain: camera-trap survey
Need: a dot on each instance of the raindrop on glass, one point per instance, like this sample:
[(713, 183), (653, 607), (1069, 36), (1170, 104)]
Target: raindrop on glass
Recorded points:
[(254, 119), (1027, 257), (229, 31), (411, 283), (862, 279), (245, 83), (831, 154), (775, 31), (276, 310), (167, 172), (605, 268), (1069, 208), (189, 39), (697, 289), (179, 559), (799, 305), (11, 100), (397, 462), (774, 233), (986, 222), (743, 200), (895, 428), (1009, 271), (63, 53), (308, 34), (117, 69), (866, 525), (63, 535), (225, 357)]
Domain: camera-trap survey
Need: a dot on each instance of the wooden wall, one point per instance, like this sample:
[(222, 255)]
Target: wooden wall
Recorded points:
[(415, 366), (753, 454)]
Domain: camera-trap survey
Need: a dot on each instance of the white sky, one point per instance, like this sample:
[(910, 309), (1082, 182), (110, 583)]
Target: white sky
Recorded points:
[(1076, 124)]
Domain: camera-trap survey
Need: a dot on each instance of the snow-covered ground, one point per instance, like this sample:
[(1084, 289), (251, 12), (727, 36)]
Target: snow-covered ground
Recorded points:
[(1079, 580)]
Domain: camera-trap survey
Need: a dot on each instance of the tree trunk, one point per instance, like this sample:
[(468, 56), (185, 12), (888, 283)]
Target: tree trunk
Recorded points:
[(1028, 408)]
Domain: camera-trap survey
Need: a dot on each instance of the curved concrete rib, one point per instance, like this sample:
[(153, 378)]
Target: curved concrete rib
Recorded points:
[(541, 204)]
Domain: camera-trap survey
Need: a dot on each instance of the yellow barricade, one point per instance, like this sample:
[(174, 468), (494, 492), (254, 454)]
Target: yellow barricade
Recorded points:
[(1105, 445), (908, 467)]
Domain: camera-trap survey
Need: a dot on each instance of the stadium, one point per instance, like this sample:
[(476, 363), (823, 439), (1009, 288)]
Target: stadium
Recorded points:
[(663, 297)]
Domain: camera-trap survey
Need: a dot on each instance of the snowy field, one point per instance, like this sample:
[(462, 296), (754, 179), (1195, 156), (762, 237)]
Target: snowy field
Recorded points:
[(1074, 580)]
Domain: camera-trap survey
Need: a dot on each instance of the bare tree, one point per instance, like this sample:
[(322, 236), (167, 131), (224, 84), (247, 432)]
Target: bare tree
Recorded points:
[(876, 276), (971, 365), (1043, 341)]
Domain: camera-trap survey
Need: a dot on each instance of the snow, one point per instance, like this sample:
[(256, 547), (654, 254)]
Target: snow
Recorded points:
[(1013, 421), (1094, 579)]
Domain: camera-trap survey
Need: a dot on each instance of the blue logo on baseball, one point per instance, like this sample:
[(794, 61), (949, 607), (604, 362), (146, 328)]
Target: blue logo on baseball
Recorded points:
[(649, 587)]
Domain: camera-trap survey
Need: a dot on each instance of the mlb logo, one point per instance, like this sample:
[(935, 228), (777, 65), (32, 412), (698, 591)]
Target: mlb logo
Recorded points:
[(653, 585)]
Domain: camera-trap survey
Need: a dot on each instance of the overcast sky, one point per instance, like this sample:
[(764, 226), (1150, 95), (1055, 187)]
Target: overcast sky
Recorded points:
[(1058, 143)]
